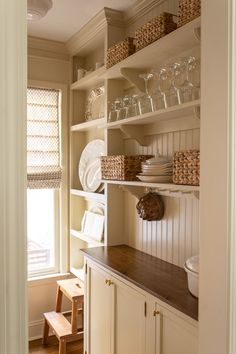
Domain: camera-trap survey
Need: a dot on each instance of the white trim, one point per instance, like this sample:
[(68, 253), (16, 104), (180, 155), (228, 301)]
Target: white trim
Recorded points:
[(232, 184), (140, 9), (40, 47), (64, 226), (13, 59)]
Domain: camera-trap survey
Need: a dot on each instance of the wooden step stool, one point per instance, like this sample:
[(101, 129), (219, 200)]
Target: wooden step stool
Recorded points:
[(65, 331)]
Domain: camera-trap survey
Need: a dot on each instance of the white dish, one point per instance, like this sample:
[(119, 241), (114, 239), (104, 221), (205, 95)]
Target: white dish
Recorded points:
[(157, 179), (89, 169)]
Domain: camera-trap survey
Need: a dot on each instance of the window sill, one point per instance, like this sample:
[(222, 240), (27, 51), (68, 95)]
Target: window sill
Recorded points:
[(48, 279)]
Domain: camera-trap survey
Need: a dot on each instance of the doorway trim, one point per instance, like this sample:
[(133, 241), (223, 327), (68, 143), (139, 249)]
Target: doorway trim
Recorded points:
[(13, 61)]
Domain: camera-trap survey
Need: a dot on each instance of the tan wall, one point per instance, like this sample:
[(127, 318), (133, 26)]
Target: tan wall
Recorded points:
[(48, 69)]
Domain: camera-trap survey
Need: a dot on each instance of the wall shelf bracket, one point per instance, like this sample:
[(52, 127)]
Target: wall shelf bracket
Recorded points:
[(132, 75), (134, 132)]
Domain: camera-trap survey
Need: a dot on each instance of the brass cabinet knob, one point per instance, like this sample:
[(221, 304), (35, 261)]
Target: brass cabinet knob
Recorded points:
[(107, 281), (155, 313)]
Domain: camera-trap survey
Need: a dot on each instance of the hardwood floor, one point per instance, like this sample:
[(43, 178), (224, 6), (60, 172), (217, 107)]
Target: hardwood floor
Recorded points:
[(36, 347)]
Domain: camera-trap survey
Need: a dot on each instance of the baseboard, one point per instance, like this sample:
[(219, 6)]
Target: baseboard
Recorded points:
[(35, 329)]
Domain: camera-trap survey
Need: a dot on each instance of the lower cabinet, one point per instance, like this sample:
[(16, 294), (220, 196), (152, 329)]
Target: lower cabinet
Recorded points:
[(123, 319)]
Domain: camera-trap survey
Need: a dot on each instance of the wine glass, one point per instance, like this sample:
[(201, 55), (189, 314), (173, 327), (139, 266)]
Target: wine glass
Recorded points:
[(194, 73), (158, 96), (119, 108), (145, 100), (166, 85), (112, 113)]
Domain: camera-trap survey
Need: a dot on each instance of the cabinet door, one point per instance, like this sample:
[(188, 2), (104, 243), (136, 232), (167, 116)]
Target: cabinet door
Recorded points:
[(98, 312), (129, 320), (174, 335)]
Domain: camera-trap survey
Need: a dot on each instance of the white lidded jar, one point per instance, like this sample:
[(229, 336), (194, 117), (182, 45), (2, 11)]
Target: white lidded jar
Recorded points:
[(191, 266)]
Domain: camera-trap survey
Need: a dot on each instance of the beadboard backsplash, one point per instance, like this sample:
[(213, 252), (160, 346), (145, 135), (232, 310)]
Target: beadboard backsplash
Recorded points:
[(175, 237)]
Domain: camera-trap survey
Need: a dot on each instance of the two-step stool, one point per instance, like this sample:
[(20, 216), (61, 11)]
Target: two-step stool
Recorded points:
[(64, 330)]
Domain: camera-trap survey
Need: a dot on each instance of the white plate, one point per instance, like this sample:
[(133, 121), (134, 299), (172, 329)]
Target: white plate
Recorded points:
[(89, 169), (157, 179)]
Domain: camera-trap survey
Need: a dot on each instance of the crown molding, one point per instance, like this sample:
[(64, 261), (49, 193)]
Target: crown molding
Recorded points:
[(93, 32), (39, 47), (140, 9)]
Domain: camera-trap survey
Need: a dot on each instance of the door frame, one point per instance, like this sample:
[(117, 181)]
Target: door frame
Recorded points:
[(13, 73)]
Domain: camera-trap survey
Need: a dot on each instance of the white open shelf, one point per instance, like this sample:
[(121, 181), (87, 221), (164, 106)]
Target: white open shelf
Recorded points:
[(85, 238), (88, 195), (173, 44), (89, 81), (175, 112), (91, 124)]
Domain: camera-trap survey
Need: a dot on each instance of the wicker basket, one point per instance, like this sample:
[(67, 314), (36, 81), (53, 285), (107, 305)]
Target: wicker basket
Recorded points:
[(119, 52), (122, 167), (188, 11), (156, 28), (186, 167)]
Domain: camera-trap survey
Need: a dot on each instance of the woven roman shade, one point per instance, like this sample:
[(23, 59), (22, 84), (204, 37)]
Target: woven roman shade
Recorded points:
[(43, 138)]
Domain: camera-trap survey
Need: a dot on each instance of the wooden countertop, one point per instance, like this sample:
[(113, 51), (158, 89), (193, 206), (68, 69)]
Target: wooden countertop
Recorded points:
[(164, 280)]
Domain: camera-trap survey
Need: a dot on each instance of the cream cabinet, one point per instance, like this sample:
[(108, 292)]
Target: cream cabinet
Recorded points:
[(172, 334), (115, 315), (123, 319)]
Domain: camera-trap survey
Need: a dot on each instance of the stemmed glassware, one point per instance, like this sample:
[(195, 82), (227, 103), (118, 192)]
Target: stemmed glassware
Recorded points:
[(146, 100), (166, 85), (169, 85), (194, 76)]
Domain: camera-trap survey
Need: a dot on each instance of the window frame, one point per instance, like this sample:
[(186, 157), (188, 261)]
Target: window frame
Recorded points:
[(61, 198)]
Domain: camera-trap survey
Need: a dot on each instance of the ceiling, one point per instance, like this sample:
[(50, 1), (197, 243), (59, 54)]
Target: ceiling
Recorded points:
[(68, 16)]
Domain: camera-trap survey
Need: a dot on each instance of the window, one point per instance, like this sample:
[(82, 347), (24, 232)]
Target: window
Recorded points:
[(44, 175)]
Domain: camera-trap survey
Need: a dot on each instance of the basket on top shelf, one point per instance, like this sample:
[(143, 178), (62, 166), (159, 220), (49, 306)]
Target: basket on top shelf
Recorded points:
[(188, 10), (122, 167), (119, 51), (186, 167), (156, 28)]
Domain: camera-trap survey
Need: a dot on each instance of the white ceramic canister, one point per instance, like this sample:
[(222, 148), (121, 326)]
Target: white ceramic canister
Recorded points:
[(191, 266)]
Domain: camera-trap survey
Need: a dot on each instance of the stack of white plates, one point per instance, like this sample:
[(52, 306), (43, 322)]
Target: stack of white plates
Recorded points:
[(157, 169)]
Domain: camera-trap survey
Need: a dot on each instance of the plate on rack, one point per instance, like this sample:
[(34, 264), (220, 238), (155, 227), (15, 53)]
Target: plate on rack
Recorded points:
[(157, 179), (95, 104), (89, 169)]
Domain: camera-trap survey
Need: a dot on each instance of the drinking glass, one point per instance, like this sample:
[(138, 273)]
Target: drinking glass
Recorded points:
[(131, 106), (166, 85), (112, 113), (119, 108), (194, 73), (145, 100), (158, 96)]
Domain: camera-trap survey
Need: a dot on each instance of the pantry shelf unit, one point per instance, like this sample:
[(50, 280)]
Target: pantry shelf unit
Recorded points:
[(175, 43), (86, 126), (137, 188), (99, 197), (91, 80), (174, 112), (85, 238)]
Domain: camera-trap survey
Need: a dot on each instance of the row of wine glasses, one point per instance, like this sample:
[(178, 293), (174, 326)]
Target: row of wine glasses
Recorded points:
[(169, 85)]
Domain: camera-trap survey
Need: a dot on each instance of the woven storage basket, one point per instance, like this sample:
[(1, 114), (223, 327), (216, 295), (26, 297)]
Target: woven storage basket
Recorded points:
[(119, 51), (122, 167), (156, 28), (186, 167), (188, 10)]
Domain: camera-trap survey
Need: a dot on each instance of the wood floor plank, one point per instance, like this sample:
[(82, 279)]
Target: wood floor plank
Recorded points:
[(36, 347)]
